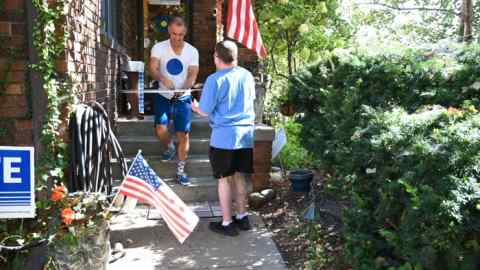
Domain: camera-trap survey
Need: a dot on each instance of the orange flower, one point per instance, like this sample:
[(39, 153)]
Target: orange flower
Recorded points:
[(67, 216), (59, 192), (453, 110)]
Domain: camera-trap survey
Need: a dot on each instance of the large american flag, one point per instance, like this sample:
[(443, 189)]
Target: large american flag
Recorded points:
[(242, 26), (143, 184)]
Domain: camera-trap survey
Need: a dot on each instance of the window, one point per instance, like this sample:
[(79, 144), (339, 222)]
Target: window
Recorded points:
[(110, 15)]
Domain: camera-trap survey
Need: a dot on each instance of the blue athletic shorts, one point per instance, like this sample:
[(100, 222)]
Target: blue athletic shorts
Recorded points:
[(180, 110)]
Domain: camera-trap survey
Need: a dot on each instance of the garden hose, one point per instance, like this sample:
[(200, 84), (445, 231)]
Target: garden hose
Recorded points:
[(93, 144)]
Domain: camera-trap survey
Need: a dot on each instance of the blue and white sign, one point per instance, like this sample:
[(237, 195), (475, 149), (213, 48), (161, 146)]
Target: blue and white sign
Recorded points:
[(16, 182)]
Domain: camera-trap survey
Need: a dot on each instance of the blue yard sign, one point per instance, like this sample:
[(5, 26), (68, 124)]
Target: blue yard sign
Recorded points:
[(16, 182)]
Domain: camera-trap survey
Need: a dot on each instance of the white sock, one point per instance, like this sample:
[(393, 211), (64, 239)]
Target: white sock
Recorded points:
[(240, 216), (181, 166), (226, 223)]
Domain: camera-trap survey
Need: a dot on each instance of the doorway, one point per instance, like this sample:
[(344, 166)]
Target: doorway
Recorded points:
[(156, 20)]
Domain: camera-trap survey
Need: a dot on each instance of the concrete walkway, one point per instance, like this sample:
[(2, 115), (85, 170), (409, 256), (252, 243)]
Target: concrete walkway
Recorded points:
[(149, 244)]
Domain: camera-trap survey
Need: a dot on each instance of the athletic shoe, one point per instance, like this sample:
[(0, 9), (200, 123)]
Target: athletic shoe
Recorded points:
[(229, 230), (169, 154), (243, 224), (183, 179)]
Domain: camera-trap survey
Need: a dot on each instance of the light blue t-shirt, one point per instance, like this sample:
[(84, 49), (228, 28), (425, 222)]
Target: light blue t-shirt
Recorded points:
[(227, 98)]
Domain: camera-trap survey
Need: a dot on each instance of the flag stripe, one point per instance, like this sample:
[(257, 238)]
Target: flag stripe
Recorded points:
[(134, 194), (232, 19), (137, 195), (229, 15), (252, 30), (152, 201), (239, 19), (248, 23), (137, 186), (164, 197), (164, 200), (142, 183), (181, 224), (242, 26)]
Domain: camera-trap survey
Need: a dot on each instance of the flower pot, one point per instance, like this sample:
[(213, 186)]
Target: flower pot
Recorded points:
[(91, 251), (301, 180)]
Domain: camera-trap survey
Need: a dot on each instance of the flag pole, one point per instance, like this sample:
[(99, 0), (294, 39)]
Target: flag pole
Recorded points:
[(128, 172)]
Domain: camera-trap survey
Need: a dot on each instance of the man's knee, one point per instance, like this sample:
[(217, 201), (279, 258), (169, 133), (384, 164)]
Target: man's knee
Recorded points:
[(182, 137), (161, 131)]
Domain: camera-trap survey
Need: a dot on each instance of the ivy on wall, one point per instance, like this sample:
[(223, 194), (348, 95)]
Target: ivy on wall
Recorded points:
[(49, 42)]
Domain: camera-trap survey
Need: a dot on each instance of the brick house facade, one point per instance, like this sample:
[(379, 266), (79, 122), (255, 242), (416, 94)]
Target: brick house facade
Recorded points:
[(94, 54), (15, 113)]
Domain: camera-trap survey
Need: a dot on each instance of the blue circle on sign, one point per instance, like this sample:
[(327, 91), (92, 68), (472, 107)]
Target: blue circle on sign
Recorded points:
[(174, 66)]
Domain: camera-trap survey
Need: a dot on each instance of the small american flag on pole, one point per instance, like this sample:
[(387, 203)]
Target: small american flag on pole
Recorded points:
[(242, 26), (143, 184)]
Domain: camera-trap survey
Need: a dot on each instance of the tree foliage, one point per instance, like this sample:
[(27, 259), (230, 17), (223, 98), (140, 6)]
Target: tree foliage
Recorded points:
[(297, 31), (413, 21), (379, 124)]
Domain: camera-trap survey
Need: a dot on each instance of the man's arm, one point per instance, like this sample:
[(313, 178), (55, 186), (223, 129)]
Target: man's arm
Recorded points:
[(154, 68), (192, 71), (192, 74)]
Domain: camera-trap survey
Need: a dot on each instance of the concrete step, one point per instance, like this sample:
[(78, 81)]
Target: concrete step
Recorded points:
[(197, 165), (151, 146), (201, 189), (145, 127)]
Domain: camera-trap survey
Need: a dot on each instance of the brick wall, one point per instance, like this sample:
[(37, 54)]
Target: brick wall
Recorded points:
[(92, 59), (262, 157), (204, 35), (15, 111)]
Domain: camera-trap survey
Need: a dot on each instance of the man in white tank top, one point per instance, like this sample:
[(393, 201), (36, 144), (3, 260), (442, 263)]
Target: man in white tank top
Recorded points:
[(174, 64)]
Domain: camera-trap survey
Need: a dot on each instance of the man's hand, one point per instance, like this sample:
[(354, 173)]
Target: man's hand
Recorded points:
[(168, 83), (196, 108)]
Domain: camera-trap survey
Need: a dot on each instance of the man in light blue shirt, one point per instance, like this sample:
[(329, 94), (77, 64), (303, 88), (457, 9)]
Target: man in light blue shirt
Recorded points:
[(227, 98)]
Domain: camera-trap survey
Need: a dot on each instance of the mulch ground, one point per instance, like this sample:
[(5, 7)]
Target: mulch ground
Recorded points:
[(306, 244)]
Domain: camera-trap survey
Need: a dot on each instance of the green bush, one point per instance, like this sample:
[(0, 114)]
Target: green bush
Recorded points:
[(330, 94), (293, 155), (413, 181), (410, 168)]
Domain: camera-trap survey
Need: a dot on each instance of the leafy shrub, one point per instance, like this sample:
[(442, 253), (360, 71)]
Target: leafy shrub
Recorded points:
[(330, 93), (413, 181), (410, 169), (294, 155)]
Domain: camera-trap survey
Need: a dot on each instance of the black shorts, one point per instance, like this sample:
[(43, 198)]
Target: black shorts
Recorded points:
[(227, 162)]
